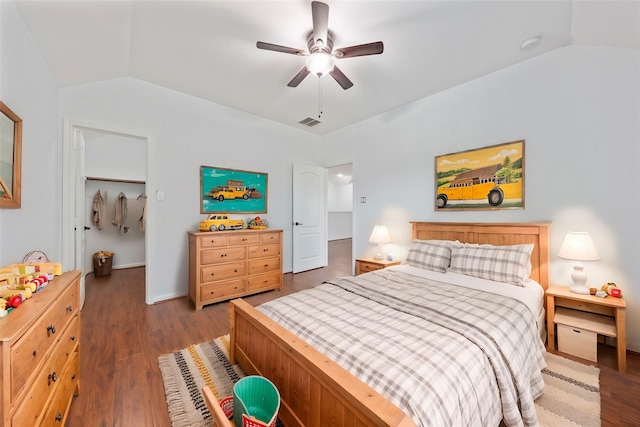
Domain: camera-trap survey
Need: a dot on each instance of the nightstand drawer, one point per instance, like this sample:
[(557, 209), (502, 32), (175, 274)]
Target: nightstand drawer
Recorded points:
[(578, 342), (366, 267)]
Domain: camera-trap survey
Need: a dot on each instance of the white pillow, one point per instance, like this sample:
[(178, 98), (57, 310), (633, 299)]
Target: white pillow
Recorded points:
[(508, 264), (432, 255)]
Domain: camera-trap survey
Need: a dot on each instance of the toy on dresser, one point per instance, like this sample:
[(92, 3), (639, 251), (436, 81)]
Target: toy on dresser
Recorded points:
[(18, 282)]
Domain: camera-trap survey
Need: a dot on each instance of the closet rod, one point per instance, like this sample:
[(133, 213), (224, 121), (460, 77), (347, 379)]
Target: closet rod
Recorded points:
[(130, 181)]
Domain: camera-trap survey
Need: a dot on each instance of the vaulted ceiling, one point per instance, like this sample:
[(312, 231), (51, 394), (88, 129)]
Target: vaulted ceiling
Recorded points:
[(207, 49)]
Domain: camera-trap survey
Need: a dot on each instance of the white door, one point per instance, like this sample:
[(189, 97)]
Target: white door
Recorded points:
[(309, 217)]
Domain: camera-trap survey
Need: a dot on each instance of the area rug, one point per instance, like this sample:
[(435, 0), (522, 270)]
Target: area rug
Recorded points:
[(571, 397), (571, 394), (187, 371)]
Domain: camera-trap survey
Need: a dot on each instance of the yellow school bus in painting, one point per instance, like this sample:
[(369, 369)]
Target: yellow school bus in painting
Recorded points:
[(478, 185)]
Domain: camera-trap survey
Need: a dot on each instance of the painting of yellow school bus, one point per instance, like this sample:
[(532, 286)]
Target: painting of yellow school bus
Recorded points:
[(484, 178)]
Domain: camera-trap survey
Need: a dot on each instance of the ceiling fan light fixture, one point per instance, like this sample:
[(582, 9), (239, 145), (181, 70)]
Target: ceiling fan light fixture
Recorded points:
[(319, 63)]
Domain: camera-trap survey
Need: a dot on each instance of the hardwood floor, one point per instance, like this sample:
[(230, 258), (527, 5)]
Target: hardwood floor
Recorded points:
[(122, 338)]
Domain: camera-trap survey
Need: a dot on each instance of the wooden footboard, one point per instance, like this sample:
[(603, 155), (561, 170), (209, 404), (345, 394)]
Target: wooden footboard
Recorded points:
[(314, 390)]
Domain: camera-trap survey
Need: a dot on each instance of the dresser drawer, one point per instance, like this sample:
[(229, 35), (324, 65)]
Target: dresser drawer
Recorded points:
[(261, 251), (264, 281), (223, 271), (213, 241), (222, 291), (30, 350), (264, 265), (268, 237), (30, 410), (216, 256), (244, 239), (56, 413)]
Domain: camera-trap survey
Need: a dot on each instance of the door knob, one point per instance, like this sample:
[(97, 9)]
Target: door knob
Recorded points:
[(297, 223)]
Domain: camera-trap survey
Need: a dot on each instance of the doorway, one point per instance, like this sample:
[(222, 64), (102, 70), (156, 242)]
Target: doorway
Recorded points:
[(108, 159), (340, 207)]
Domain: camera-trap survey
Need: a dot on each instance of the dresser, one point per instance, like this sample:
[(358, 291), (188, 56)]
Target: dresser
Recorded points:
[(230, 264), (41, 355)]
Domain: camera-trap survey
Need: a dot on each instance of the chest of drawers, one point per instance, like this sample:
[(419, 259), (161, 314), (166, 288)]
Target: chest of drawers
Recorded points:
[(230, 264), (41, 355)]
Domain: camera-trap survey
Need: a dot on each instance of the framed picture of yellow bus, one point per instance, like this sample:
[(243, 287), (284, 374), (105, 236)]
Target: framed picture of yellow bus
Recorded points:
[(232, 191), (487, 178)]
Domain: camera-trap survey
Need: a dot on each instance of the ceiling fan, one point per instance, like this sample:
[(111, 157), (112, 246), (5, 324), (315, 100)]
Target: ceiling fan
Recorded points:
[(321, 56)]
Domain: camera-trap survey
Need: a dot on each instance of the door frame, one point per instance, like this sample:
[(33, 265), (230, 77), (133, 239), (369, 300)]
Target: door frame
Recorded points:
[(69, 198)]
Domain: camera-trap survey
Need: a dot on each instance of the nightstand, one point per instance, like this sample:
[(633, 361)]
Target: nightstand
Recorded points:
[(365, 265), (603, 316)]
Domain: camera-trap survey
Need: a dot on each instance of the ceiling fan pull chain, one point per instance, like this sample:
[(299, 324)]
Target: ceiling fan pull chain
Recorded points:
[(320, 97)]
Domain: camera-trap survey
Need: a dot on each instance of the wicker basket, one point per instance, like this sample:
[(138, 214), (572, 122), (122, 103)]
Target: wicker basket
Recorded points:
[(102, 263)]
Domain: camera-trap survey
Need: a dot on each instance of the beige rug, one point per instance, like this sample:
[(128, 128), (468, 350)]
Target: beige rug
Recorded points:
[(571, 398)]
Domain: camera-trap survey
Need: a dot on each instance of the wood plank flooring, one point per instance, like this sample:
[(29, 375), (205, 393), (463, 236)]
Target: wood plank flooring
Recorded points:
[(122, 338)]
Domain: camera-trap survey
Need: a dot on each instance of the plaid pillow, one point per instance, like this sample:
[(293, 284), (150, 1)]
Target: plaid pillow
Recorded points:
[(509, 264), (432, 255)]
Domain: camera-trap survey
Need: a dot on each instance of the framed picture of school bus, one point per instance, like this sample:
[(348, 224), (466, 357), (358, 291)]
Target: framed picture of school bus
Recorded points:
[(232, 191), (487, 178)]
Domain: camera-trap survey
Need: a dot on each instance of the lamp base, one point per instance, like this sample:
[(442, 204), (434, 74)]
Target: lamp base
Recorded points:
[(579, 289)]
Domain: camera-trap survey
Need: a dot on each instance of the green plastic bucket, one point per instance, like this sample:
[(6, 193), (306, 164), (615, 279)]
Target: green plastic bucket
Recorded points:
[(257, 397)]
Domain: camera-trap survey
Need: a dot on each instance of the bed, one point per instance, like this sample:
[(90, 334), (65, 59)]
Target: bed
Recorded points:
[(320, 385)]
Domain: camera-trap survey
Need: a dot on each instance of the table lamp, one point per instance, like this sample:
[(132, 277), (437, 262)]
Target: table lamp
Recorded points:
[(578, 246), (379, 235)]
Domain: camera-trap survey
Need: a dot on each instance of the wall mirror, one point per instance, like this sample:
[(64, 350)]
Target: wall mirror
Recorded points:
[(10, 158)]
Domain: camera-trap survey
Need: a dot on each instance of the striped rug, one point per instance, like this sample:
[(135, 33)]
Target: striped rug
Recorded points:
[(571, 397), (185, 372), (571, 394)]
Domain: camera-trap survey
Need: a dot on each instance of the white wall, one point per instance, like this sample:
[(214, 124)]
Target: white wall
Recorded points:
[(186, 133), (578, 108), (28, 89), (340, 208)]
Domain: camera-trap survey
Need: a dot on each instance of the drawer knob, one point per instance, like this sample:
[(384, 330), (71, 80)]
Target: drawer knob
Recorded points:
[(58, 417), (53, 377), (51, 330), (34, 353), (73, 338), (69, 309)]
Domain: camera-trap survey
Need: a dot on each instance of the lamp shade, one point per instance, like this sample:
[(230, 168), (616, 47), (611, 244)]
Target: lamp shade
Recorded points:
[(380, 234), (577, 245)]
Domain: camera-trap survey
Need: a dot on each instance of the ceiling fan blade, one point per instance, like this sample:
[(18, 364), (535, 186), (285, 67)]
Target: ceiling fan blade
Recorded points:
[(320, 13), (298, 78), (278, 48), (341, 78), (374, 48)]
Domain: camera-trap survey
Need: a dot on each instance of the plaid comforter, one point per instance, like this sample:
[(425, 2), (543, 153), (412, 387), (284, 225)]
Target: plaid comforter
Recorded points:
[(445, 354)]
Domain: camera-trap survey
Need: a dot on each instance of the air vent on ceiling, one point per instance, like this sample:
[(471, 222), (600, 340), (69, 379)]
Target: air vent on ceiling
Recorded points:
[(309, 122)]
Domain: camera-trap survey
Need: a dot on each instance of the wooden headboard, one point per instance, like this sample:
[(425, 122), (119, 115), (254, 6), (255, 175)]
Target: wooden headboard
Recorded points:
[(494, 234)]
